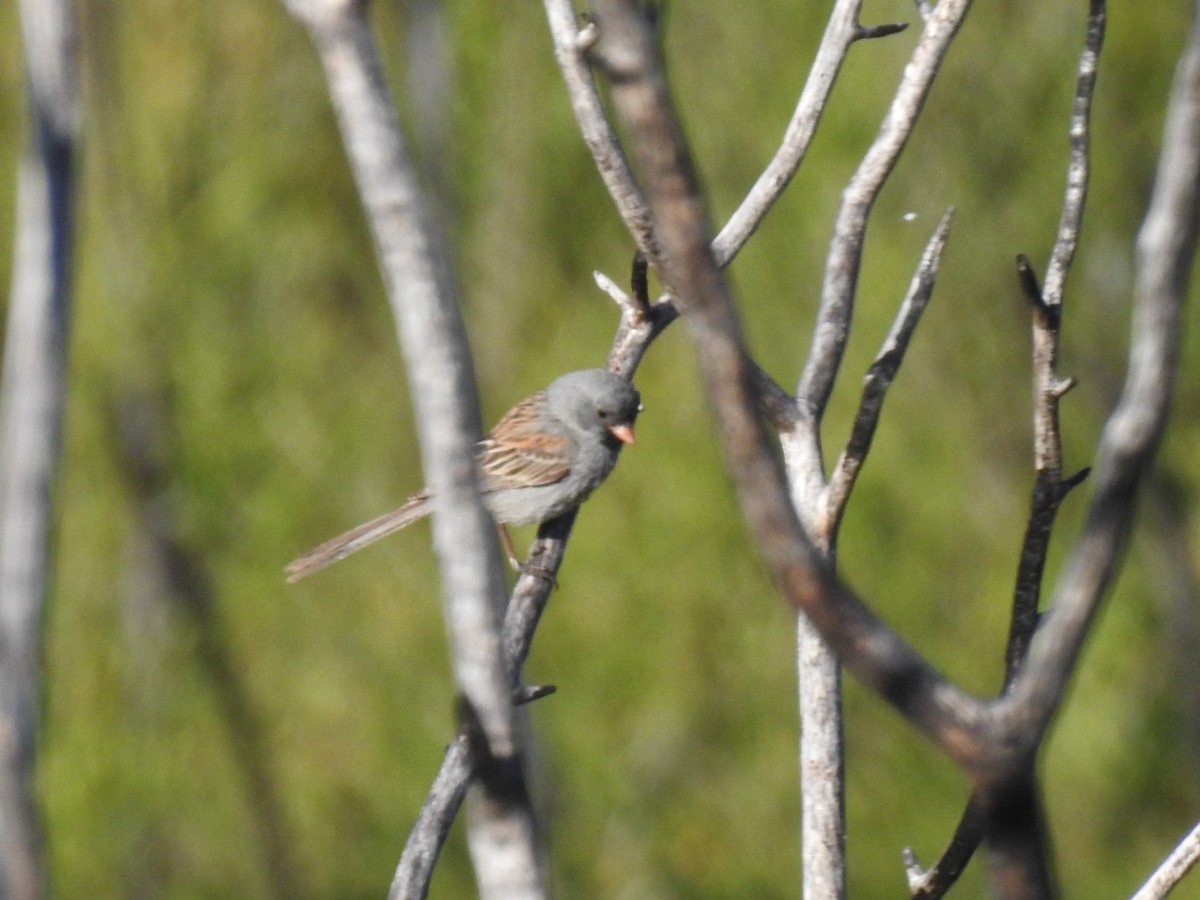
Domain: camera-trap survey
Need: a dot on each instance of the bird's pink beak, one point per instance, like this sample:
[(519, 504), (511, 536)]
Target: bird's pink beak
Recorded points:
[(623, 433)]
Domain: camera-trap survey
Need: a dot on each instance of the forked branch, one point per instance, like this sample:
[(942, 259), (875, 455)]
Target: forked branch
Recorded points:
[(1050, 487)]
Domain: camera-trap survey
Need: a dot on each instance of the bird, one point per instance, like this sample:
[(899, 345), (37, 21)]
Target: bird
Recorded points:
[(543, 458)]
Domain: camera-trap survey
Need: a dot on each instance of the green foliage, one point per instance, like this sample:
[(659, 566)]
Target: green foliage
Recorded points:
[(228, 296)]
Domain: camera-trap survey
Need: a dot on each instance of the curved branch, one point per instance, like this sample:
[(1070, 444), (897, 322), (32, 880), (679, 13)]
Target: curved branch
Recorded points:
[(570, 49), (1177, 864)]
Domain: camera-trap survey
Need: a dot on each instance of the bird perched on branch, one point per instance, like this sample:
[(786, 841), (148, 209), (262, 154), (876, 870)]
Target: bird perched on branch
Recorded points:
[(545, 457)]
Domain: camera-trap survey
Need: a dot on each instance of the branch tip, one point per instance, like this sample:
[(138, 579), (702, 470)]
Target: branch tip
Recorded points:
[(1029, 282), (1069, 484), (912, 868), (528, 693), (587, 36), (1062, 386), (870, 32), (610, 287)]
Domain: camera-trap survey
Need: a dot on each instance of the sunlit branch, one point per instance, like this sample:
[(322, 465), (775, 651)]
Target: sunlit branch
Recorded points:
[(1172, 869), (849, 231), (503, 836), (877, 655), (571, 47), (1050, 487), (841, 32), (1165, 252), (879, 378)]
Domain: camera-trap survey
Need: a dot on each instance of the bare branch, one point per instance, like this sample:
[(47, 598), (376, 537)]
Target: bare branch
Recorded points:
[(840, 33), (821, 507), (873, 32), (849, 231), (34, 385), (1050, 488), (876, 654), (1078, 166), (927, 884), (571, 47), (879, 378), (428, 834), (1172, 869), (503, 838), (639, 283), (1165, 251), (529, 598)]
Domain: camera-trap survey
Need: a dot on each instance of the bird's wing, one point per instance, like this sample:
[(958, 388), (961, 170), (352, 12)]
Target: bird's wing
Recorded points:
[(521, 452)]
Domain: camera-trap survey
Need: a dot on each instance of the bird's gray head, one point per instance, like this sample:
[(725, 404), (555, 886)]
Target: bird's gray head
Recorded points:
[(596, 401)]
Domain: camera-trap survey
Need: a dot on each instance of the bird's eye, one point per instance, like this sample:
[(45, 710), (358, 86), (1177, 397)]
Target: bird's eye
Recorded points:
[(603, 413)]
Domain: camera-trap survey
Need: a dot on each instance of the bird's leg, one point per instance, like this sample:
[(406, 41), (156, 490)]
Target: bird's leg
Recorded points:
[(509, 549)]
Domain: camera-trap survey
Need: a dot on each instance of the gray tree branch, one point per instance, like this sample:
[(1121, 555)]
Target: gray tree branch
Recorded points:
[(995, 742), (850, 226), (34, 391), (503, 836), (1050, 487), (1172, 869), (1165, 251)]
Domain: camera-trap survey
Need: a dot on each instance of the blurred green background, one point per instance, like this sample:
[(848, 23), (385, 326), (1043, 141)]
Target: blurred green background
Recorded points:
[(211, 732)]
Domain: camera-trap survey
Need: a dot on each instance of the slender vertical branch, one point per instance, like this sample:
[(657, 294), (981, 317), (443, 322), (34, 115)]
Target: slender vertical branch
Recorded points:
[(34, 391), (503, 837), (571, 46), (1050, 487), (820, 506), (1079, 161), (1165, 252), (879, 379)]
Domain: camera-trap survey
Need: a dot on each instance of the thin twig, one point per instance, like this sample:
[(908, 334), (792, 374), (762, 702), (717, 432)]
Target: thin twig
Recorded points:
[(840, 34), (1172, 869), (639, 284), (879, 378), (34, 386), (571, 48), (1078, 166), (429, 831)]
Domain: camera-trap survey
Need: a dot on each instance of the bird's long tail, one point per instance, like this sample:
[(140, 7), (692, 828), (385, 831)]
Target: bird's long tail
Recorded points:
[(357, 538)]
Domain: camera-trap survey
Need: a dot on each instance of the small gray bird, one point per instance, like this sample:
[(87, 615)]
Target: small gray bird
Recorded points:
[(545, 457)]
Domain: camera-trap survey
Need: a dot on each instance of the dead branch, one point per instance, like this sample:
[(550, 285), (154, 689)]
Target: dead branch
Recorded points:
[(34, 393), (1050, 487), (503, 835), (850, 226), (1172, 869)]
